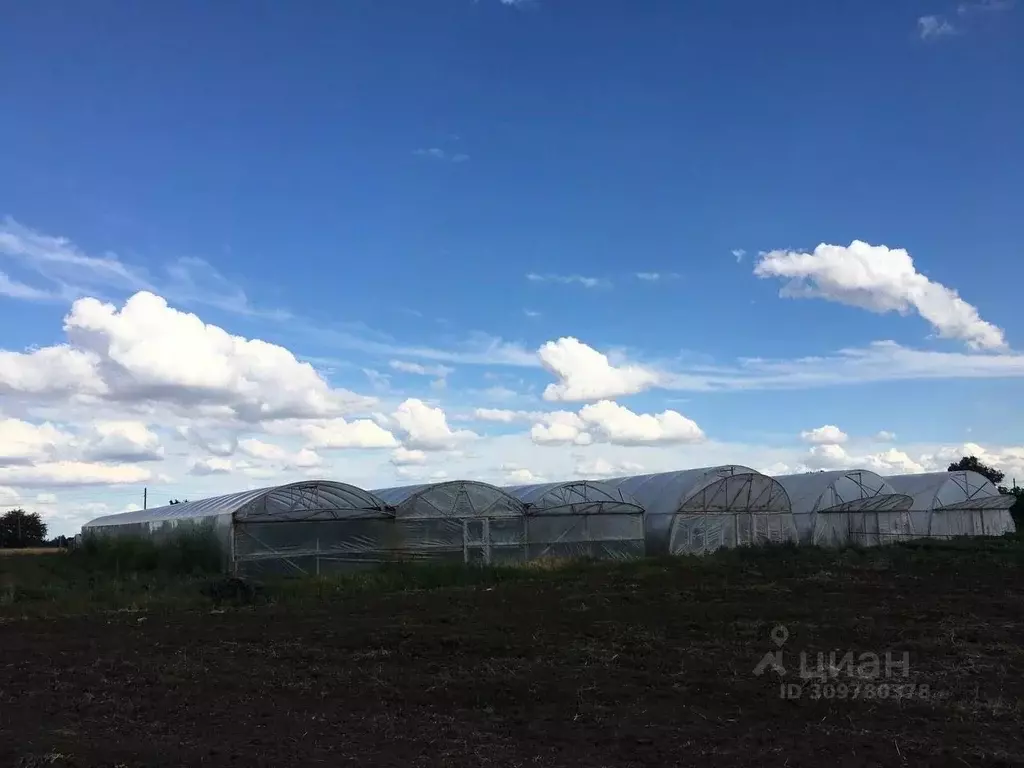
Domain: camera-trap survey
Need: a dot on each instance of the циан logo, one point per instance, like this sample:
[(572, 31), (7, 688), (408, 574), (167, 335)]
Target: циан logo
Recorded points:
[(840, 674)]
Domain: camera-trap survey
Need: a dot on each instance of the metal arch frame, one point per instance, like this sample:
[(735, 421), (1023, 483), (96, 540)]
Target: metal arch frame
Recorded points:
[(707, 475), (974, 501), (774, 490), (583, 505), (972, 485), (309, 489), (882, 502), (227, 505), (422, 490), (858, 477)]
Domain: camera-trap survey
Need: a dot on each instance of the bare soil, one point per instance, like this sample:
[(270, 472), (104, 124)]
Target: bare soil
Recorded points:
[(650, 664)]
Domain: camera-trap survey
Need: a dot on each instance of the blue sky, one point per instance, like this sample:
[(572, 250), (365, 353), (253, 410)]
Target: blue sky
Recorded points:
[(372, 182)]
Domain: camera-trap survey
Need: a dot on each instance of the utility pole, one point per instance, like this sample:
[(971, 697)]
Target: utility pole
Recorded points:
[(145, 499)]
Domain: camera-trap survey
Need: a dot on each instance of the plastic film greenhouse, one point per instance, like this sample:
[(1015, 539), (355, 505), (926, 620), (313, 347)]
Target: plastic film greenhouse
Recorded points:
[(847, 507), (700, 510), (580, 519), (947, 504), (303, 527), (459, 520)]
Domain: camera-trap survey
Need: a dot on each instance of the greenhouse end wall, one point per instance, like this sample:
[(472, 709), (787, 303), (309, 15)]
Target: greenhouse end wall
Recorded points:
[(959, 503), (843, 507), (313, 547), (456, 521), (581, 519), (295, 528), (699, 510)]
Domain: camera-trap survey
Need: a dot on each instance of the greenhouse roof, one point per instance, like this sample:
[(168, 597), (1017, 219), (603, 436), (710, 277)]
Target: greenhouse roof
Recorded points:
[(575, 497), (842, 491), (665, 492), (951, 491), (454, 498), (307, 500)]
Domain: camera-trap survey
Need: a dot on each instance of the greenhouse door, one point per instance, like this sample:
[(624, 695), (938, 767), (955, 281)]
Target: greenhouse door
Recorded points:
[(476, 541)]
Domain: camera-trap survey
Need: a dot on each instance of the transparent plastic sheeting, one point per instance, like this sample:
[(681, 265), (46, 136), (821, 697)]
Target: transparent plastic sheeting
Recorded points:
[(310, 500), (301, 520), (459, 498), (847, 507), (580, 519), (947, 504), (701, 510), (461, 520), (311, 527)]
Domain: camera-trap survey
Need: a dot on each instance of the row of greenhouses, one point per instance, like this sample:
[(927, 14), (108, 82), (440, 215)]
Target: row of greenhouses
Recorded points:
[(315, 526)]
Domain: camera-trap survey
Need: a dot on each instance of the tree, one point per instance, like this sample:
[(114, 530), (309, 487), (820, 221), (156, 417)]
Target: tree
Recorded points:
[(971, 463), (19, 528)]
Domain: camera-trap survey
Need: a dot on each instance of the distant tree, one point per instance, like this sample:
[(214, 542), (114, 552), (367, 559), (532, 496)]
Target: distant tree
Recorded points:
[(19, 528), (1017, 510), (176, 501), (972, 464)]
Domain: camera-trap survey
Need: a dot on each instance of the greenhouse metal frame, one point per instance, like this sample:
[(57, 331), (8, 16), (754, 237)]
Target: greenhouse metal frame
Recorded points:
[(302, 527), (700, 510), (316, 525), (960, 503), (463, 520), (854, 506), (580, 518)]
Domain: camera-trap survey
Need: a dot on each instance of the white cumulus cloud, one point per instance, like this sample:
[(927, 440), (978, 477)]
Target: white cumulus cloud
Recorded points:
[(426, 427), (892, 462), (122, 441), (828, 456), (22, 442), (211, 466), (616, 424), (584, 374), (334, 434), (149, 352), (879, 279), (560, 428), (403, 456), (828, 434), (276, 454), (609, 422), (72, 473), (599, 468)]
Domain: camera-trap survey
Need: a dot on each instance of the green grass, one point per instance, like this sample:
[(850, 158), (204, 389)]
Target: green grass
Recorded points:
[(138, 574), (185, 552), (110, 574)]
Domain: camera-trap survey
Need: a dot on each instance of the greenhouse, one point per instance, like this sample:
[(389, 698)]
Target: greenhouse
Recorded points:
[(459, 520), (302, 527), (580, 519), (947, 504), (847, 507), (699, 510)]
